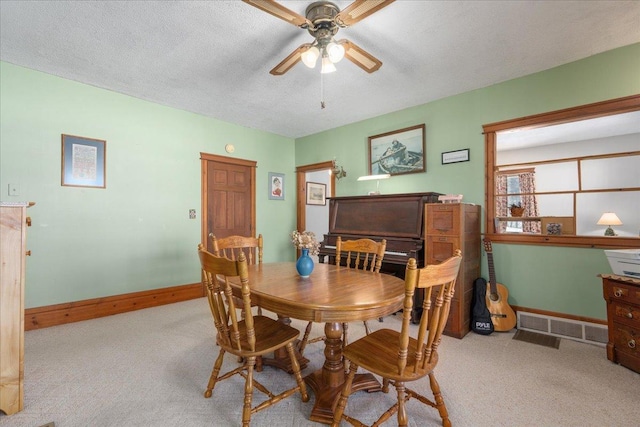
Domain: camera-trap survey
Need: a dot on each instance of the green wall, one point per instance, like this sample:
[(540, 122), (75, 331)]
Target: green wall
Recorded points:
[(135, 234), (557, 279)]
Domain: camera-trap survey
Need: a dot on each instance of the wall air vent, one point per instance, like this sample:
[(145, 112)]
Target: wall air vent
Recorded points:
[(576, 330)]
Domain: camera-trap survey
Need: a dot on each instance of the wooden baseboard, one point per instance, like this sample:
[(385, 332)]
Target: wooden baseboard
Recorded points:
[(59, 314), (560, 315)]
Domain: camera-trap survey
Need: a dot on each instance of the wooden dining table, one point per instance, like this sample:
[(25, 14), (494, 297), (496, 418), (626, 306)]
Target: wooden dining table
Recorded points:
[(333, 295)]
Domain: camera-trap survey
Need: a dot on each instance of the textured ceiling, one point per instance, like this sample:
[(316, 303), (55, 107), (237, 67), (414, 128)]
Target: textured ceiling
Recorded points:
[(214, 57)]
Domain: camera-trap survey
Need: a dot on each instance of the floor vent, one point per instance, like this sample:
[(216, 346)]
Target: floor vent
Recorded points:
[(576, 330)]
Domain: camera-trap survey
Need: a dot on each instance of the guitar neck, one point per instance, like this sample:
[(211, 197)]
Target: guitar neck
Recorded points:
[(492, 274)]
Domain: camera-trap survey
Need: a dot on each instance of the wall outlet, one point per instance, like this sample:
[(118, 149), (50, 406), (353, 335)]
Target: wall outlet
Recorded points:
[(14, 190), (192, 214)]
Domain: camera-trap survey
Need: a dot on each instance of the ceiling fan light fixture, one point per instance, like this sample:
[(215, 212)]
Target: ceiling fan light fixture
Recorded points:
[(335, 52), (327, 65), (322, 21), (310, 56)]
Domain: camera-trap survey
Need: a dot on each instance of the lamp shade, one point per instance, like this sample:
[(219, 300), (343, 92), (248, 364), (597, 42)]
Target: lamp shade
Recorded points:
[(327, 66), (609, 218), (335, 52), (310, 56), (372, 177)]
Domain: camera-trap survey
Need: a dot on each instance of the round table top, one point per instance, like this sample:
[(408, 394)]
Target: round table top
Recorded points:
[(329, 294)]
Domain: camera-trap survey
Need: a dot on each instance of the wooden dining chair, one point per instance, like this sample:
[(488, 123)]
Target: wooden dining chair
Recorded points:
[(232, 246), (400, 358), (360, 254), (247, 338)]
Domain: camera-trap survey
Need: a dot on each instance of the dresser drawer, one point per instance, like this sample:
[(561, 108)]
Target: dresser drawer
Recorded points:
[(627, 314), (617, 291), (626, 339)]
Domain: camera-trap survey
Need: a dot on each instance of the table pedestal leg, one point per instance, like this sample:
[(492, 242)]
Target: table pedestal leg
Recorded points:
[(327, 382), (280, 357)]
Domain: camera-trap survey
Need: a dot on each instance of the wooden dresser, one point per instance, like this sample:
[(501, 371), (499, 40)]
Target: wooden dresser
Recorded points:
[(13, 250), (623, 317), (451, 226)]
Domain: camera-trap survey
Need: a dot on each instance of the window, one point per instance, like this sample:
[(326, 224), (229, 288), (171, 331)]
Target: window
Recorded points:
[(565, 183)]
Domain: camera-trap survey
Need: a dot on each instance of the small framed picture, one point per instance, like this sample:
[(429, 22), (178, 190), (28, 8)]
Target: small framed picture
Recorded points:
[(83, 162), (276, 186), (316, 193), (455, 156)]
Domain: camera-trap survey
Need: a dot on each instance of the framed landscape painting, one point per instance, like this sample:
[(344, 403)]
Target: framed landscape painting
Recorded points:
[(398, 152), (316, 193)]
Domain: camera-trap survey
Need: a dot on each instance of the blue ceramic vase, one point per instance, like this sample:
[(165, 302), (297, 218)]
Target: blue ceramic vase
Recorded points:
[(304, 265)]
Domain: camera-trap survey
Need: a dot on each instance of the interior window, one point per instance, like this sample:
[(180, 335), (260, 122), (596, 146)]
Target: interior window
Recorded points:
[(552, 176)]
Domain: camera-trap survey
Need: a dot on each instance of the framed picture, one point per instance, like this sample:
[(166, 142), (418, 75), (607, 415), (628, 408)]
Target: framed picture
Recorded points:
[(455, 156), (83, 162), (398, 152), (316, 193), (276, 186)]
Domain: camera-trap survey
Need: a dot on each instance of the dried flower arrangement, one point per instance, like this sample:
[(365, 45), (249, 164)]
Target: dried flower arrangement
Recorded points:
[(306, 240)]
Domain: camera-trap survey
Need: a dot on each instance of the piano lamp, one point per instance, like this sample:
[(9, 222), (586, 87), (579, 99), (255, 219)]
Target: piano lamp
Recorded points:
[(376, 177), (609, 219)]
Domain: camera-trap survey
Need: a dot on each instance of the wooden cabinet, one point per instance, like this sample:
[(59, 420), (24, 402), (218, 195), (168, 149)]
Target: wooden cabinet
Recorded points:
[(13, 224), (451, 226), (623, 317)]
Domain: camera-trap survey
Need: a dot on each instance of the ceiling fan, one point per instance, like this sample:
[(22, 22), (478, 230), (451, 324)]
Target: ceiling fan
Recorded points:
[(323, 20)]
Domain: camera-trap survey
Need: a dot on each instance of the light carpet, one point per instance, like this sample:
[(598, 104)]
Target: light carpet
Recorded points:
[(150, 368)]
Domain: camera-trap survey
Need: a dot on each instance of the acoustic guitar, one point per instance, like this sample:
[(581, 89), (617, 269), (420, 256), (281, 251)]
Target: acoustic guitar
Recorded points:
[(497, 298)]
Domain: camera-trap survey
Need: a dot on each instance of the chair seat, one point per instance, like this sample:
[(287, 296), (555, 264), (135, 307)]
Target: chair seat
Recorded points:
[(377, 353), (270, 335)]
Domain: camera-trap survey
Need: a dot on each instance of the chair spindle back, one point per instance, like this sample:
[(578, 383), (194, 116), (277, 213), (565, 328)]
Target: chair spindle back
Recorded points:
[(438, 281), (215, 272), (232, 246), (361, 254)]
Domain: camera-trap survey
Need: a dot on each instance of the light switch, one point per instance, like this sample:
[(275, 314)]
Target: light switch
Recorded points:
[(14, 190)]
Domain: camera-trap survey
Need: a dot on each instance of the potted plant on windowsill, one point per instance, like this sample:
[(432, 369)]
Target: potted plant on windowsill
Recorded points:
[(516, 209)]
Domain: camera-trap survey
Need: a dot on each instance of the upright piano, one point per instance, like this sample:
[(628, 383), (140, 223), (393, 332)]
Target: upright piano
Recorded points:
[(398, 218)]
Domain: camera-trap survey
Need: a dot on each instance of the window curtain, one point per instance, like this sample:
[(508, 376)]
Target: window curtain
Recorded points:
[(502, 208), (529, 202)]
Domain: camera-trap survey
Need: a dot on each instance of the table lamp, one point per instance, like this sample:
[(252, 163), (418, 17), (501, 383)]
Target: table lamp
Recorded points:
[(609, 219)]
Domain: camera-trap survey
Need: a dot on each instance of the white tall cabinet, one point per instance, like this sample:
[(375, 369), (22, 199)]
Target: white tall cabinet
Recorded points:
[(13, 251)]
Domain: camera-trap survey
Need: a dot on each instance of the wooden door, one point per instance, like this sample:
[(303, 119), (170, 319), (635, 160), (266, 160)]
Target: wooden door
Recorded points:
[(228, 197)]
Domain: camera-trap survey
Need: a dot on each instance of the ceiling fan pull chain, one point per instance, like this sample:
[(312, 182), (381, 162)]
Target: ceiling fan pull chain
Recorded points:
[(321, 91)]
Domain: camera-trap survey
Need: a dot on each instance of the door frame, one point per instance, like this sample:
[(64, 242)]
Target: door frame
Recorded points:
[(301, 189), (204, 193)]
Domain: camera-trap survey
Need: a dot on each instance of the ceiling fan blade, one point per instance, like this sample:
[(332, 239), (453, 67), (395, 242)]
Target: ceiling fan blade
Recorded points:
[(279, 11), (290, 60), (358, 10), (360, 57)]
